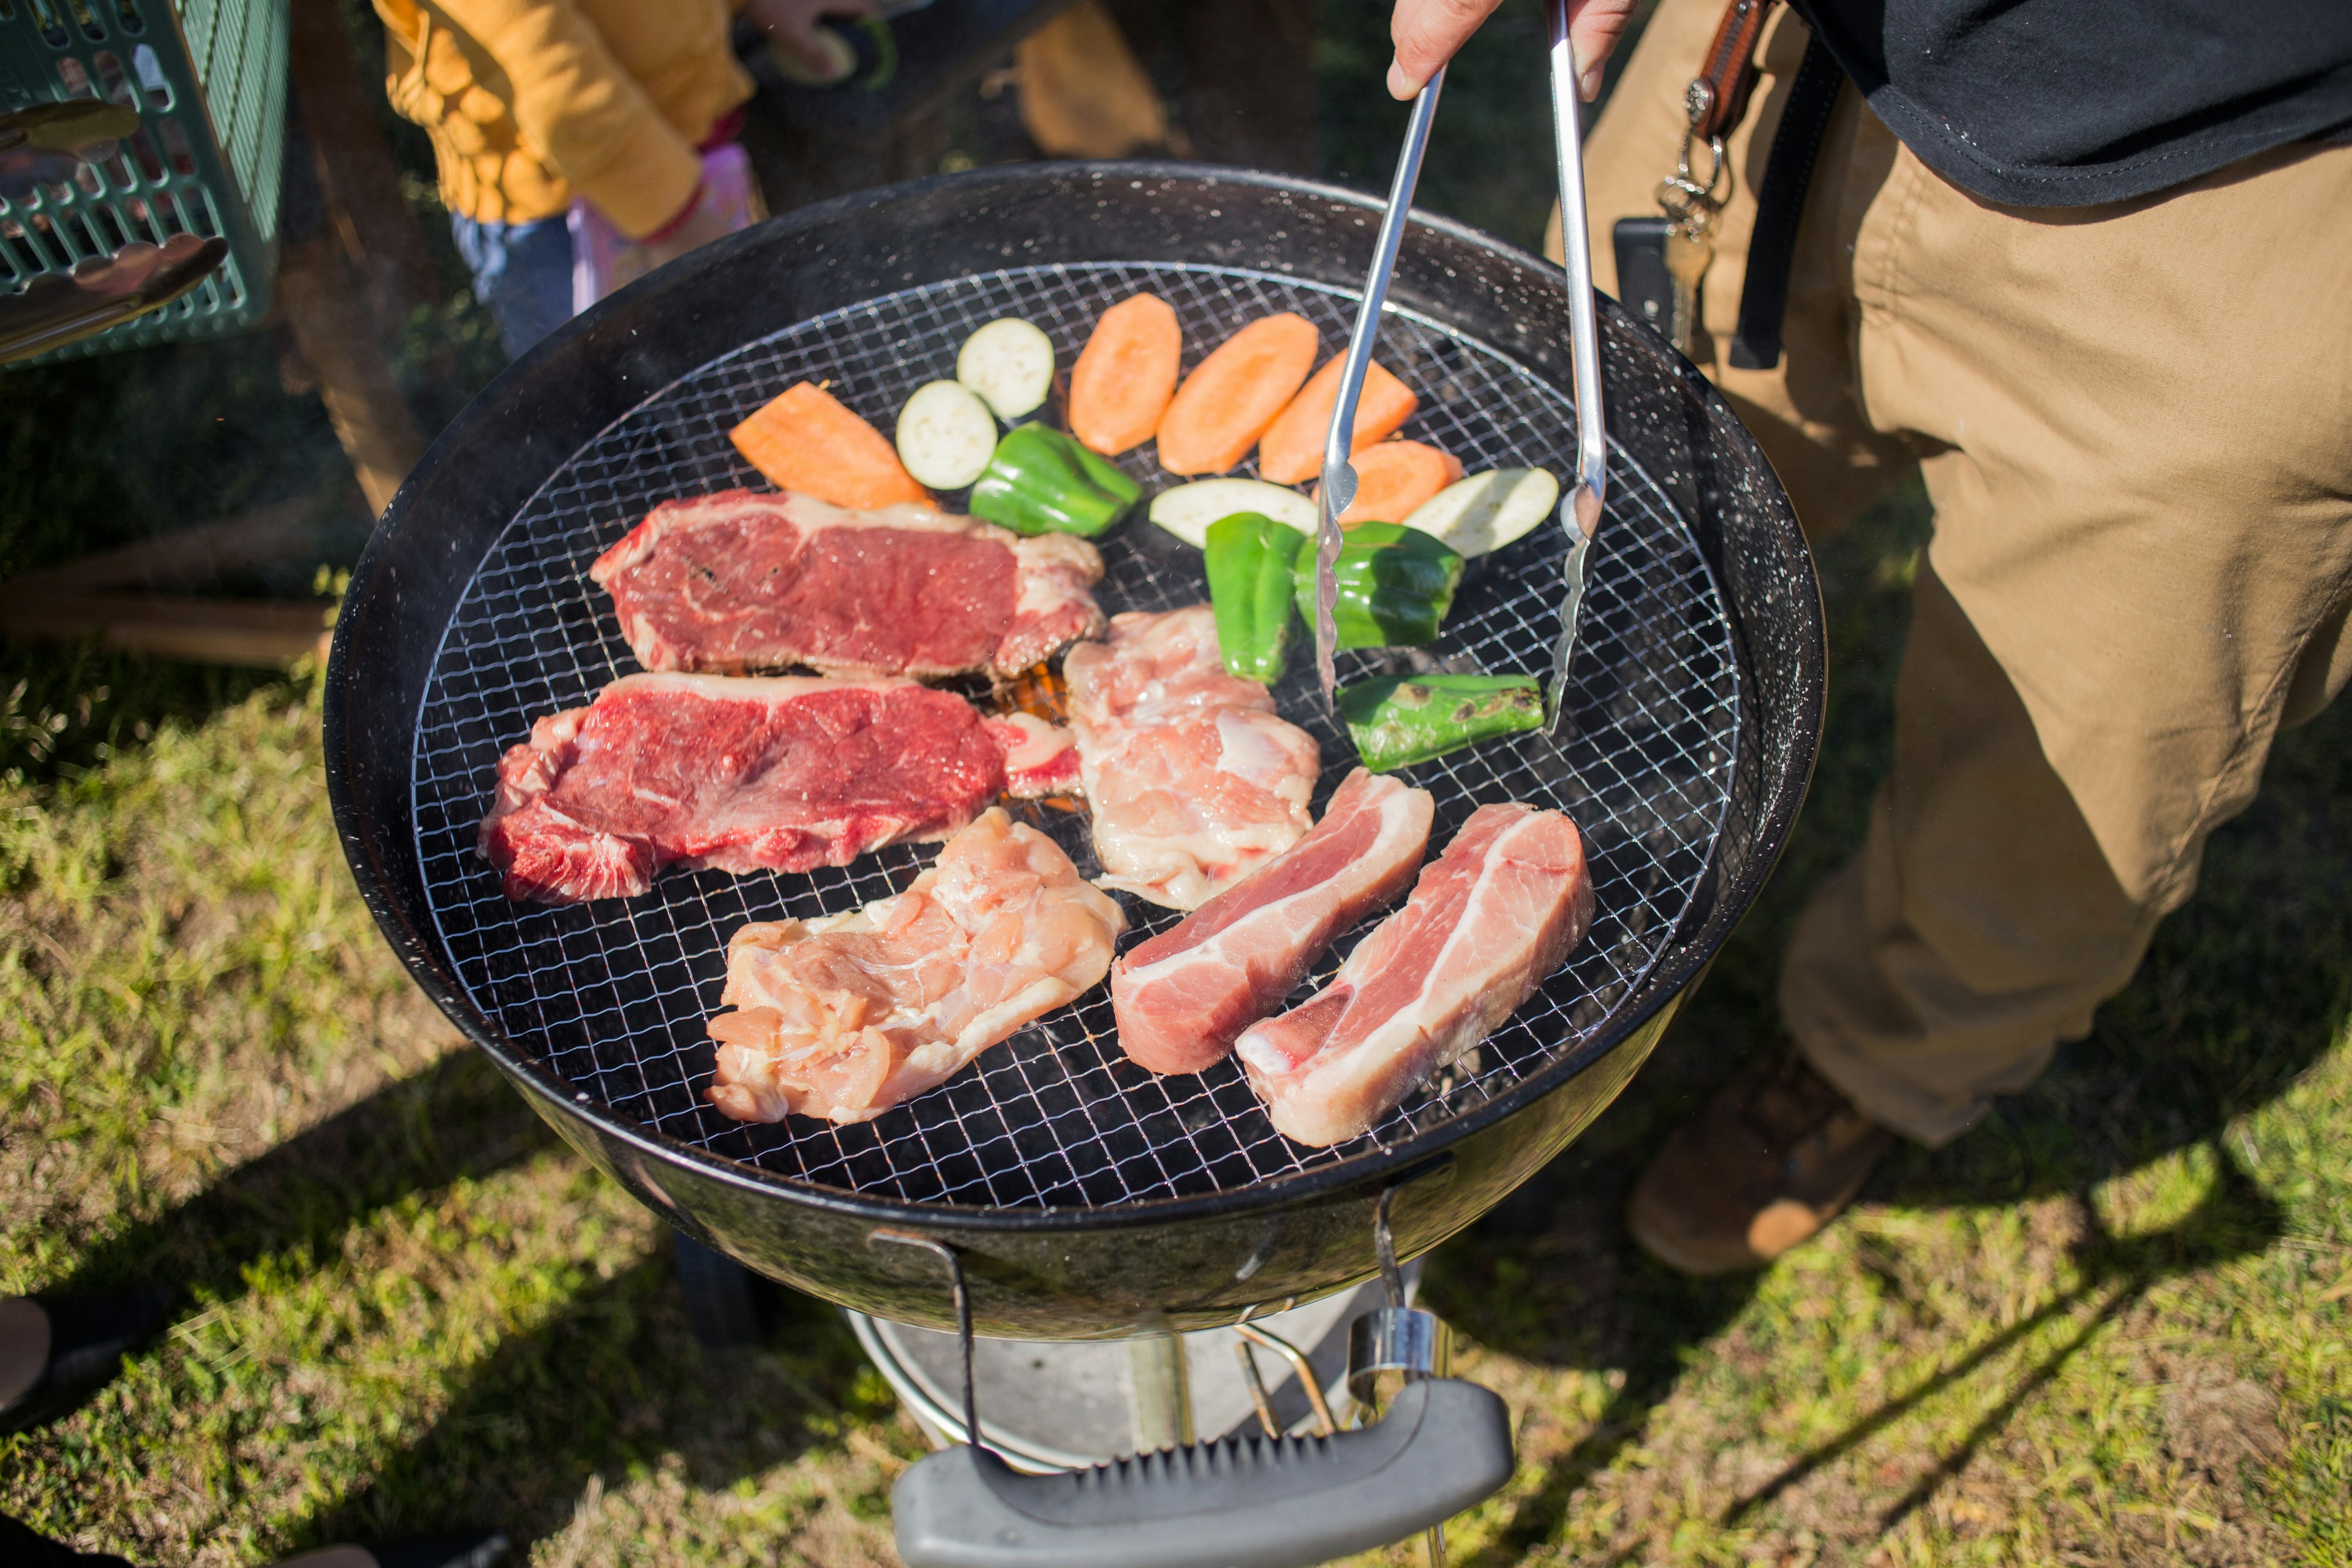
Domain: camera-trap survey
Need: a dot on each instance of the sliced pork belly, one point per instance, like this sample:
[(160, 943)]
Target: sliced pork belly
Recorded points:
[(845, 1017), (1192, 780), (1183, 997), (743, 581), (1489, 921), (782, 774)]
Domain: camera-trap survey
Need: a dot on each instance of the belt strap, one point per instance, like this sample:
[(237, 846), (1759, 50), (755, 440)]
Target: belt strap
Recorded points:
[(1717, 96), (1780, 208)]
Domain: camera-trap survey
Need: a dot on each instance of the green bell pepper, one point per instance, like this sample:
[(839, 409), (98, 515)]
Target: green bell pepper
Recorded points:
[(1401, 719), (1249, 559), (1395, 585), (1043, 481)]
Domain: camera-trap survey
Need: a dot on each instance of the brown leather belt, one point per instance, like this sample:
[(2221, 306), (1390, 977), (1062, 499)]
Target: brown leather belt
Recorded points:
[(1715, 101)]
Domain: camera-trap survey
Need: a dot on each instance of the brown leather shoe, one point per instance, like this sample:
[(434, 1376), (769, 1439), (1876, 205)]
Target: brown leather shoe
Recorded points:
[(1775, 1157)]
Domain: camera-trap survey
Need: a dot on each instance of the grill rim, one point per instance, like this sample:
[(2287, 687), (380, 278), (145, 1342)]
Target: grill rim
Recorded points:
[(1682, 961)]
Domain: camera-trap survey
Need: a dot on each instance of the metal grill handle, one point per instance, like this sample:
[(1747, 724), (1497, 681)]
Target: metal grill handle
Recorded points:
[(1244, 1502)]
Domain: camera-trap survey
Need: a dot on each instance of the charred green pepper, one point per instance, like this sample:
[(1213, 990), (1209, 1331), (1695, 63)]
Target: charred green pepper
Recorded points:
[(1249, 557), (1043, 481), (1401, 719), (1395, 585)]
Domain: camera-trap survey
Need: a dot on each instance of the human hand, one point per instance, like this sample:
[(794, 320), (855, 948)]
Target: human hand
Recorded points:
[(1428, 32), (793, 24)]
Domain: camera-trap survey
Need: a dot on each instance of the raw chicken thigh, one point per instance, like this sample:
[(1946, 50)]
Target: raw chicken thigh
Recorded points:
[(1192, 780), (847, 1016)]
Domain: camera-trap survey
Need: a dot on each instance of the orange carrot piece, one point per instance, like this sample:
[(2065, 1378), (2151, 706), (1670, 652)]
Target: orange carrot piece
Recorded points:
[(1125, 374), (806, 441), (1394, 477), (1293, 447), (1231, 398)]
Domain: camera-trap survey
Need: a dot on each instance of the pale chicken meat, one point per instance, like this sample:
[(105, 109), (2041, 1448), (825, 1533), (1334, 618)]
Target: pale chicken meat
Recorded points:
[(844, 1017), (1489, 921), (1192, 779)]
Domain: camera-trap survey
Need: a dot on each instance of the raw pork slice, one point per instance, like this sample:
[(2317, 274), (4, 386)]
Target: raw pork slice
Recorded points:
[(778, 772), (741, 581), (1181, 997), (1489, 921), (845, 1017), (1193, 781)]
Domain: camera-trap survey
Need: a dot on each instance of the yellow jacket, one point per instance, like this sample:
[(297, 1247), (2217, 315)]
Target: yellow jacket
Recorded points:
[(530, 102)]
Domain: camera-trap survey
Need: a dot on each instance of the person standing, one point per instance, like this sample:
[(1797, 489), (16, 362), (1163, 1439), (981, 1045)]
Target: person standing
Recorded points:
[(2086, 267), (532, 104)]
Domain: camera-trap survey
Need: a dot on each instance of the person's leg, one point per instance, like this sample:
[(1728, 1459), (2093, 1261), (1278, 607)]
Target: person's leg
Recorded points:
[(522, 272), (2143, 549)]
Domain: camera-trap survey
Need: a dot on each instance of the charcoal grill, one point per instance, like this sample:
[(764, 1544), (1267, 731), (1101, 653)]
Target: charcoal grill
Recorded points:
[(1085, 1198)]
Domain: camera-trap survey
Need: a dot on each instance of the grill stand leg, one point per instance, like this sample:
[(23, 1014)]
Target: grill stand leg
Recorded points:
[(1162, 1390)]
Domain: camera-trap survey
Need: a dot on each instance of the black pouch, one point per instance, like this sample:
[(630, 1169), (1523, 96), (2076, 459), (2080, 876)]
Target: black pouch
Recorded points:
[(1643, 285)]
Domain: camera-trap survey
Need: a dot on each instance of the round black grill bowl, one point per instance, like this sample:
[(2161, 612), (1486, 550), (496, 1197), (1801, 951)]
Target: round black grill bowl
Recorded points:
[(1050, 1267)]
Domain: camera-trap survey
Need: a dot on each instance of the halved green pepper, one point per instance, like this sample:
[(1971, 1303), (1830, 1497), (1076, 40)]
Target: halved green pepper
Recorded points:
[(1395, 585), (1397, 721), (1043, 481), (1249, 558)]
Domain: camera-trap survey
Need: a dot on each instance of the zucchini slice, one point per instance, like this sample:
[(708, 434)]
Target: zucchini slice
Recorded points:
[(1485, 511), (946, 435), (1187, 511), (1010, 363)]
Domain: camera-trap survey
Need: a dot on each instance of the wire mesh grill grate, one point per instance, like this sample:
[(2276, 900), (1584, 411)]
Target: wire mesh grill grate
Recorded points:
[(613, 996)]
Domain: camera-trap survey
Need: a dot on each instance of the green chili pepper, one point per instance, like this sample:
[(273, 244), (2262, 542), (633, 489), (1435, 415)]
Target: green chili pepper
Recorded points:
[(1249, 557), (1401, 719), (1395, 585), (1043, 481)]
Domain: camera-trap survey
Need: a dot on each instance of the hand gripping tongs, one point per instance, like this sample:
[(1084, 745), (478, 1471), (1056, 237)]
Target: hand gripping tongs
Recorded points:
[(1339, 489), (1580, 510)]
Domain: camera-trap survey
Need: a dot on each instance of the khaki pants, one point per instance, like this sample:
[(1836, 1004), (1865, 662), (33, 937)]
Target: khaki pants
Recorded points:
[(2136, 424)]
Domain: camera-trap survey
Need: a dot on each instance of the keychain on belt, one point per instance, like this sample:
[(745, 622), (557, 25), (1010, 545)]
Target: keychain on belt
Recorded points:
[(1662, 261)]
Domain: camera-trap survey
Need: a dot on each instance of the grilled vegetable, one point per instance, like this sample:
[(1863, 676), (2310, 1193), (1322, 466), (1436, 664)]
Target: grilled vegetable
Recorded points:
[(945, 435), (1125, 374), (1292, 449), (1249, 560), (1010, 364), (1488, 510), (1395, 585), (1398, 720), (1231, 398), (1393, 478), (805, 440), (1042, 481), (1187, 511)]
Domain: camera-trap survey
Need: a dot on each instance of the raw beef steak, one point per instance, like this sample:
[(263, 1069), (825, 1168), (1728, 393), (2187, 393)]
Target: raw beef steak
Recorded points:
[(741, 581), (780, 773)]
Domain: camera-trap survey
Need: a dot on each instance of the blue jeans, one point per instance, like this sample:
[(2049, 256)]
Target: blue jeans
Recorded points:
[(522, 272)]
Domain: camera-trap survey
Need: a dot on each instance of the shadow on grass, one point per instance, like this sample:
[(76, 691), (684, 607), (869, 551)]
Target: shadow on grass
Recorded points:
[(2240, 993), (457, 1119), (611, 1387)]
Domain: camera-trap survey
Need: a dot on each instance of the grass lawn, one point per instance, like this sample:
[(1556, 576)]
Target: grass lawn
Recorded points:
[(2109, 1325)]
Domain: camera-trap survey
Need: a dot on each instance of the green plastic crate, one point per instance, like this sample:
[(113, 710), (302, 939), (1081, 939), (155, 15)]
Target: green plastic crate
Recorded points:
[(209, 80)]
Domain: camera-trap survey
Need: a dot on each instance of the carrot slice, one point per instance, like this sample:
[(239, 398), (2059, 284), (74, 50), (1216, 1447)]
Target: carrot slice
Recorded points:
[(1293, 447), (1231, 398), (1395, 477), (1125, 374), (806, 441)]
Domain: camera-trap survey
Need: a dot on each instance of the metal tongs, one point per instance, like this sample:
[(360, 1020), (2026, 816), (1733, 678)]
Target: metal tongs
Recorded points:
[(1339, 489), (1579, 512)]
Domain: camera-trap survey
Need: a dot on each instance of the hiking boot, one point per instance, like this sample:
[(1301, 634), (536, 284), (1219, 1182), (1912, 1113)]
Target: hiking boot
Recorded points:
[(1775, 1157)]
